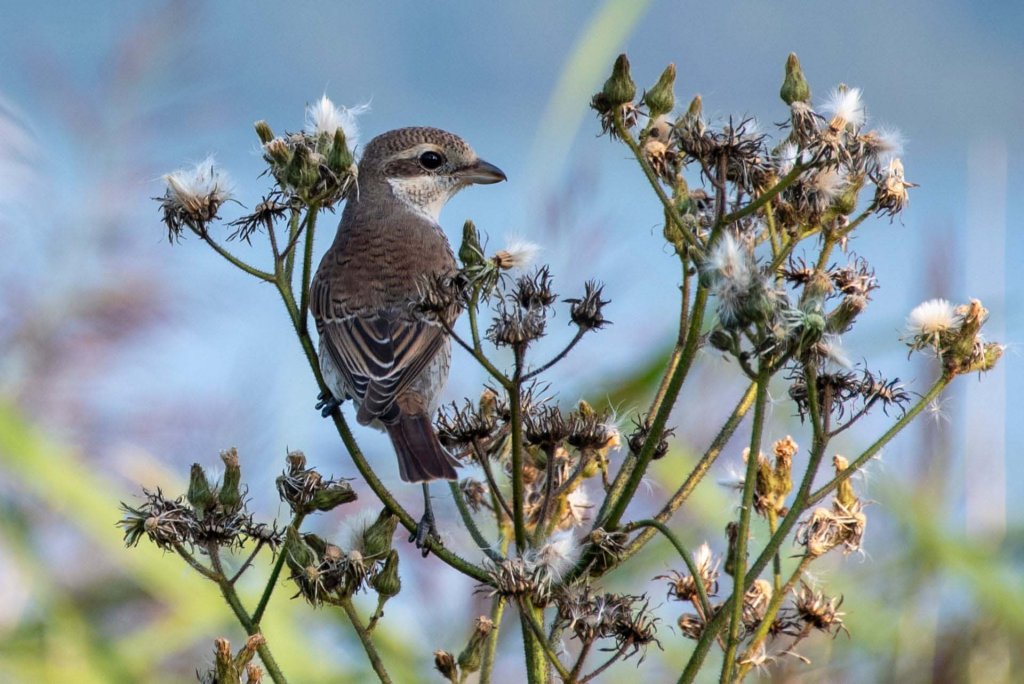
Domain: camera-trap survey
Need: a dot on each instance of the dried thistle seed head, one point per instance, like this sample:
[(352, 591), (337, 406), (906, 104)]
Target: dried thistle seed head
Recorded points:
[(166, 522), (691, 626), (589, 429), (441, 297), (266, 213), (641, 433), (513, 578), (461, 428), (755, 603), (193, 197), (587, 311), (818, 611), (534, 292), (684, 587), (516, 327), (805, 126), (891, 189), (829, 528), (545, 426), (742, 296), (930, 324), (475, 493), (555, 557), (305, 490), (517, 254)]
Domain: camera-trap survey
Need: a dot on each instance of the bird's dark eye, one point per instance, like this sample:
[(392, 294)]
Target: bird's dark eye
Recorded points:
[(431, 160)]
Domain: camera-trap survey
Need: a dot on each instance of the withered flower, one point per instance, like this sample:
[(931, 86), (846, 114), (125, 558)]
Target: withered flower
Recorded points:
[(587, 311), (267, 212), (684, 587), (819, 611)]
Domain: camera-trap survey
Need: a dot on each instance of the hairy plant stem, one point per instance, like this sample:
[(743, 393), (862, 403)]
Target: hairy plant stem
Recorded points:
[(467, 520), (801, 501), (743, 531), (275, 572), (307, 268), (235, 261), (540, 651), (497, 612), (491, 647), (516, 426), (365, 639), (657, 428), (683, 553)]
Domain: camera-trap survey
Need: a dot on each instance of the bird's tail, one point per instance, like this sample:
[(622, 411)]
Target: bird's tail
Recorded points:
[(421, 458)]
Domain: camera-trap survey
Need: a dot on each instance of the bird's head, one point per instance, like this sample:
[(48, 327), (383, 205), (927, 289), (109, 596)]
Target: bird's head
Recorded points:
[(424, 167)]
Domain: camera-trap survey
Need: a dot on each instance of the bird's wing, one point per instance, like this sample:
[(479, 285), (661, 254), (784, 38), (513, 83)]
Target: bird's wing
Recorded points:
[(381, 353)]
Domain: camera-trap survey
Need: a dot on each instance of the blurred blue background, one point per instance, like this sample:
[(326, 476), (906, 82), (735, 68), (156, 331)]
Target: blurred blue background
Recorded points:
[(123, 360)]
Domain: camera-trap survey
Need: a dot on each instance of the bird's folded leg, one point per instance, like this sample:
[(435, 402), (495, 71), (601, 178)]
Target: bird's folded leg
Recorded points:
[(326, 404), (426, 530)]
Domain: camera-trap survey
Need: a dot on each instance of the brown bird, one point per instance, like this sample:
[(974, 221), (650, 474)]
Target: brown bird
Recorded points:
[(375, 347)]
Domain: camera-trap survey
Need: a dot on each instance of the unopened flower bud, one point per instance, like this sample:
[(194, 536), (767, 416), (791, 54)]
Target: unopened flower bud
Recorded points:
[(302, 171), (339, 158), (278, 152), (297, 553), (317, 543), (200, 495), (377, 537), (332, 496), (472, 656), (263, 131), (844, 492), (695, 110), (445, 664), (794, 87), (230, 495), (660, 99), (387, 582), (619, 89), (471, 253), (721, 340)]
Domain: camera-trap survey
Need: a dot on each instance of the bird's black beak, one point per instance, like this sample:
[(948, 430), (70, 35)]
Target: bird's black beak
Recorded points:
[(481, 173)]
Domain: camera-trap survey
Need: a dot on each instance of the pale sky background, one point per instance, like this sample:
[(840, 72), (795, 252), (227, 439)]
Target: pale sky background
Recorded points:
[(97, 100)]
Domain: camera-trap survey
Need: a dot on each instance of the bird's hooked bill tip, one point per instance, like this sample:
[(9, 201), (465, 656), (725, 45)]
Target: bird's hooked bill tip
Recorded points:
[(482, 173)]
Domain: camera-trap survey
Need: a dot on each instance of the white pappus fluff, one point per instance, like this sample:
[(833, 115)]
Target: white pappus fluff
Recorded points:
[(931, 318), (323, 117), (845, 107), (557, 555), (202, 183)]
